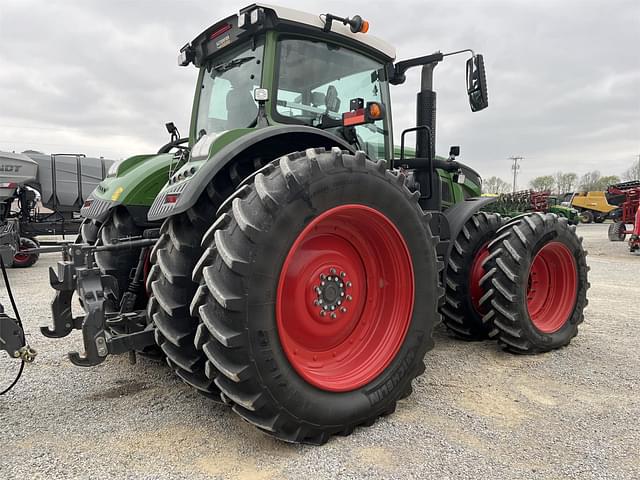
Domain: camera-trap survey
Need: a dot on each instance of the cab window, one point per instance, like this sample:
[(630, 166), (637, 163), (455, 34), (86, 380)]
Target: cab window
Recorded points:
[(317, 80)]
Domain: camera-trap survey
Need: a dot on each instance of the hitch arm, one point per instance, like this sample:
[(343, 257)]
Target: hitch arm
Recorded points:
[(64, 282), (90, 289)]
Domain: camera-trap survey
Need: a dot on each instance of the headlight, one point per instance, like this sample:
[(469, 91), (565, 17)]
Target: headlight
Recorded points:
[(113, 169)]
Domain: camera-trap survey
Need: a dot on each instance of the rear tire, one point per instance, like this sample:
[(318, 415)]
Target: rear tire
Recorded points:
[(461, 312), (261, 254), (536, 284), (171, 290), (616, 232)]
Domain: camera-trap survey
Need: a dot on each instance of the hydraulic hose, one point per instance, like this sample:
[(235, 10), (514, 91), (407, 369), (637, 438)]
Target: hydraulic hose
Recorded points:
[(18, 320)]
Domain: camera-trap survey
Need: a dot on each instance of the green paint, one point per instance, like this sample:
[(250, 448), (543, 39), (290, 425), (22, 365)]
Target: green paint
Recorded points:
[(141, 178)]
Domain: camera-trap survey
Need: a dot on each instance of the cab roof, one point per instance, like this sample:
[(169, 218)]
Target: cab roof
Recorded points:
[(260, 17), (309, 19)]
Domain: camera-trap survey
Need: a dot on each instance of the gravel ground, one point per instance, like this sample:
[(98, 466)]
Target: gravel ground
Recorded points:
[(475, 413)]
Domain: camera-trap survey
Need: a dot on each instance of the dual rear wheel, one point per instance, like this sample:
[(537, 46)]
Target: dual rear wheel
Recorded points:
[(523, 282)]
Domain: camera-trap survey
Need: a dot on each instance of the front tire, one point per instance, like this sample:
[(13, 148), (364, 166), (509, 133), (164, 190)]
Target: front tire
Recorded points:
[(88, 231), (536, 284), (318, 295), (117, 263)]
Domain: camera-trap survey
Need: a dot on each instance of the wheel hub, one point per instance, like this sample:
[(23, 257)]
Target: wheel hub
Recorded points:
[(331, 293)]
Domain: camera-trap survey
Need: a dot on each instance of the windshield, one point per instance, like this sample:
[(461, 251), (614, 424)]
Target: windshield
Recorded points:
[(226, 97), (316, 82)]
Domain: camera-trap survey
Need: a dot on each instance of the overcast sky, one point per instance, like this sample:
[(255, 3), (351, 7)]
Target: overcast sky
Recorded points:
[(100, 77)]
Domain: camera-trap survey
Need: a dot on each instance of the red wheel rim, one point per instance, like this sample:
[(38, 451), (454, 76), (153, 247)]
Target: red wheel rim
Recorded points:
[(552, 287), (345, 298), (477, 272), (21, 258)]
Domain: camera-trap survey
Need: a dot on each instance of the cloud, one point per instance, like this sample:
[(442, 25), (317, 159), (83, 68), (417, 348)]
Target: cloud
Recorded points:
[(564, 77)]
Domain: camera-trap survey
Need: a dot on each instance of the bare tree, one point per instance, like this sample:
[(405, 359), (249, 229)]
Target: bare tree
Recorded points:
[(604, 182), (543, 184), (633, 172), (565, 182), (589, 181), (593, 181), (495, 185)]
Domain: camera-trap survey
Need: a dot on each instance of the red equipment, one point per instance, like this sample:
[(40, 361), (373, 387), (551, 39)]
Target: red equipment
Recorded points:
[(629, 212)]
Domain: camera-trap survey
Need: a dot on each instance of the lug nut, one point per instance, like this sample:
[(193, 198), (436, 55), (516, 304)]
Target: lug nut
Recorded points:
[(342, 274), (333, 307), (349, 284), (322, 313), (334, 316), (322, 276), (316, 303), (323, 283), (333, 271), (326, 307), (342, 294), (341, 285), (343, 309), (349, 297)]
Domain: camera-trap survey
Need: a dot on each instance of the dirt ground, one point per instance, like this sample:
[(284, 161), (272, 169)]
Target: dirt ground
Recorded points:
[(475, 413)]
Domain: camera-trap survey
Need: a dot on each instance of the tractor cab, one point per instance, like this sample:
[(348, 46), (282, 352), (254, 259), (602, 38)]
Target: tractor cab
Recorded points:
[(310, 77), (273, 80)]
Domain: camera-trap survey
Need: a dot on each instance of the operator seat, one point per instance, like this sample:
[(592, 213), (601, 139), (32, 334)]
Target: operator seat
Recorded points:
[(241, 109), (331, 100)]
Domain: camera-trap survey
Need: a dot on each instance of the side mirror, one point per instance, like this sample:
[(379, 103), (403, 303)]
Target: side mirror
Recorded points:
[(477, 83), (454, 151)]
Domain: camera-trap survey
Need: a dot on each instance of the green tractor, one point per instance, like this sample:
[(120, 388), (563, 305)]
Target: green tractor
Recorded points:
[(301, 266), (570, 213), (303, 288)]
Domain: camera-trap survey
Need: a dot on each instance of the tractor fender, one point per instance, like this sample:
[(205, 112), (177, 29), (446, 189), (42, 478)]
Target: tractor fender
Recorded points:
[(458, 214), (273, 141)]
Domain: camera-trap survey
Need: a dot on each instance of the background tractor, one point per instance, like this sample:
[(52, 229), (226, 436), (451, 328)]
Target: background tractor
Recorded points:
[(301, 266)]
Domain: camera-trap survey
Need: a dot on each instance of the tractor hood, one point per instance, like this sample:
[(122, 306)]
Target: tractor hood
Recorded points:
[(132, 182)]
